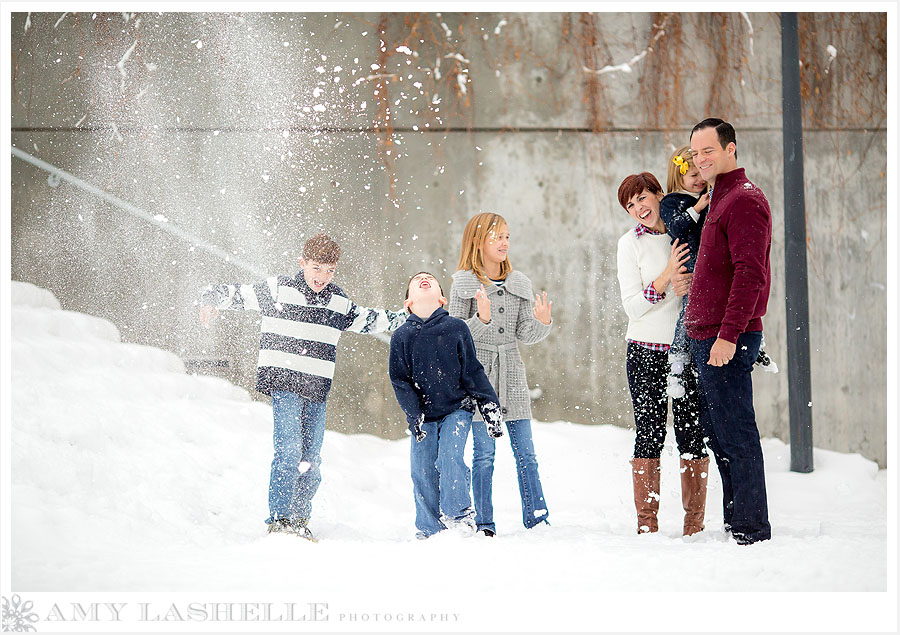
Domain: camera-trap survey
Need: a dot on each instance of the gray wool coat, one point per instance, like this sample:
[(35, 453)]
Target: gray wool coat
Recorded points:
[(496, 343)]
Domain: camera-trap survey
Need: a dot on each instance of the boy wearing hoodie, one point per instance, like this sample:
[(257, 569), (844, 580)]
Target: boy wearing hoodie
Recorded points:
[(438, 382)]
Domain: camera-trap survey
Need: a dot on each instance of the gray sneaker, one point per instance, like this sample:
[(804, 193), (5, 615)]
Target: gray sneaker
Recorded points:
[(279, 526), (299, 527)]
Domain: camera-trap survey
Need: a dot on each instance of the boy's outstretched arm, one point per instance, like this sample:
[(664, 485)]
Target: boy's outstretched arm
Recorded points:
[(478, 386), (237, 297), (363, 320), (402, 381)]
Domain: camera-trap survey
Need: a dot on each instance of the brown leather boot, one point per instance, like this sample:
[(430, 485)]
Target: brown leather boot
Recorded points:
[(694, 476), (645, 474)]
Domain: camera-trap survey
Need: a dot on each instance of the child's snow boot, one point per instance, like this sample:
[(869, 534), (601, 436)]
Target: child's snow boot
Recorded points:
[(763, 360)]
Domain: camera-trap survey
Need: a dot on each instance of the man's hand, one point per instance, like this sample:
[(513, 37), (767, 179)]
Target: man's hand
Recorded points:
[(681, 281), (721, 352)]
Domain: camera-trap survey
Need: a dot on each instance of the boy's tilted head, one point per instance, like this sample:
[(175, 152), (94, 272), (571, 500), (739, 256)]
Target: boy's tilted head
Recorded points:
[(319, 260), (424, 294)]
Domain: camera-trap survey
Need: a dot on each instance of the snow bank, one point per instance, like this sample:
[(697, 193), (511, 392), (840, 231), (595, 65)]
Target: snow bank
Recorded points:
[(129, 474)]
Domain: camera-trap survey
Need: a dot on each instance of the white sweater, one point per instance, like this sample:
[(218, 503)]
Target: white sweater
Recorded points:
[(640, 261)]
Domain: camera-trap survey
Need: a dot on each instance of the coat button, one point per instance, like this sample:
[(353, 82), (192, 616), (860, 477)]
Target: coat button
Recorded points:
[(500, 330), (501, 309), (418, 327), (500, 292), (503, 410)]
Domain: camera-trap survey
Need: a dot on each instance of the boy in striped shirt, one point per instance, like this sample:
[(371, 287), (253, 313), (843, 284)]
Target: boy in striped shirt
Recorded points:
[(302, 319)]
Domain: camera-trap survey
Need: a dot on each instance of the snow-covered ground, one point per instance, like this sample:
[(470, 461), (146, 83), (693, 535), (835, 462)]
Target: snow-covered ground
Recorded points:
[(130, 475)]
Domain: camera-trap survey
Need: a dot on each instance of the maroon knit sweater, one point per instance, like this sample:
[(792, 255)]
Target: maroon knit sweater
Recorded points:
[(730, 288)]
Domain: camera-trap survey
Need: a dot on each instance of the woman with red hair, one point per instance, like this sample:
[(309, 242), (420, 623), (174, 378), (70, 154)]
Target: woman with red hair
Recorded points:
[(646, 265)]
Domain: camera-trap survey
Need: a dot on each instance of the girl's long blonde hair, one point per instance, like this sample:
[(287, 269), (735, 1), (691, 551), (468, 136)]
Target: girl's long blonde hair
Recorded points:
[(477, 229), (675, 182)]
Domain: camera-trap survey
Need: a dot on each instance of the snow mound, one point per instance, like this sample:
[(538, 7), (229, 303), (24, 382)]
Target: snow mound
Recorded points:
[(130, 475), (115, 441), (27, 294)]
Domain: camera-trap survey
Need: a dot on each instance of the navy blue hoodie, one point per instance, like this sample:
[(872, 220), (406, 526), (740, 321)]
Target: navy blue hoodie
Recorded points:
[(434, 371)]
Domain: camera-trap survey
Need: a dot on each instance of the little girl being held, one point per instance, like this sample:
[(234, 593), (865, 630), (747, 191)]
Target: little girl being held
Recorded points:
[(683, 210)]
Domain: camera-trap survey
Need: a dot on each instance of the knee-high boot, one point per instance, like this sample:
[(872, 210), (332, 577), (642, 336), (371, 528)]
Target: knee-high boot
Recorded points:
[(694, 476), (645, 475)]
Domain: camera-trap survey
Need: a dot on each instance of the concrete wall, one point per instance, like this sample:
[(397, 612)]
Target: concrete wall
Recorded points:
[(223, 140)]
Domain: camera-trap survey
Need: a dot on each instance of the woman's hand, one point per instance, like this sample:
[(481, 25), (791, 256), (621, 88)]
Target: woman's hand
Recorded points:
[(542, 308), (701, 203), (484, 305), (677, 257)]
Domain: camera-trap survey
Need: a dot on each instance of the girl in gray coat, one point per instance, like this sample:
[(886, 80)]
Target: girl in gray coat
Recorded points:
[(496, 302)]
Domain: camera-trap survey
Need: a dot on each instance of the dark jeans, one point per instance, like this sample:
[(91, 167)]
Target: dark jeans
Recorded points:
[(647, 371), (726, 411)]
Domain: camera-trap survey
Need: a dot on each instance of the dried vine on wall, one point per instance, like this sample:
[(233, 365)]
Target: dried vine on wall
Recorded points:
[(838, 86), (843, 84)]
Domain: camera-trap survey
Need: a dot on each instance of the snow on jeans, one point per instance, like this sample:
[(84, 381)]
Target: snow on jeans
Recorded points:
[(440, 476), (728, 418), (534, 508), (298, 436)]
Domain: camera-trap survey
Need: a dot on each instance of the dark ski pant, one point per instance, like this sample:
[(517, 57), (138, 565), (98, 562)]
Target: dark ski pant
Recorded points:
[(726, 412), (647, 371)]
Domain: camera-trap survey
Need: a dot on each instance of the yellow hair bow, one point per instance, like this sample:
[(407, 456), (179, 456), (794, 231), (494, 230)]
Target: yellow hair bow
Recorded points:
[(681, 163)]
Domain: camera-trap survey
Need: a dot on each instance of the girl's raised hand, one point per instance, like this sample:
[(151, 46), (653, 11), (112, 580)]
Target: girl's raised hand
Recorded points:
[(542, 308), (702, 202), (484, 305)]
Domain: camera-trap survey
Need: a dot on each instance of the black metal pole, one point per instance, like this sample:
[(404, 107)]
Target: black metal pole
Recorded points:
[(796, 289)]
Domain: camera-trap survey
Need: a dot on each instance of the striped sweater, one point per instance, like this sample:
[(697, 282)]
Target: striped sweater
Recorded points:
[(300, 329)]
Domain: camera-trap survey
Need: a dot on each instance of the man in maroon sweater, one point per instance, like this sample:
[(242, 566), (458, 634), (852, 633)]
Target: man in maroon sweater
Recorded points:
[(728, 297)]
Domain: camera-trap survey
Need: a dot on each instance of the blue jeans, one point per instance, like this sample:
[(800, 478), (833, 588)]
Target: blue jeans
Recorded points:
[(299, 432), (728, 419), (440, 476), (534, 508)]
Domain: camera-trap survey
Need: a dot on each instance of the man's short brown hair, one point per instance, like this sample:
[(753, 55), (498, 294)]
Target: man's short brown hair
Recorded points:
[(322, 249)]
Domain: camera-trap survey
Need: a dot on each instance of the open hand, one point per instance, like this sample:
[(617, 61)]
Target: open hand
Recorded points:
[(542, 308), (484, 305), (679, 255)]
